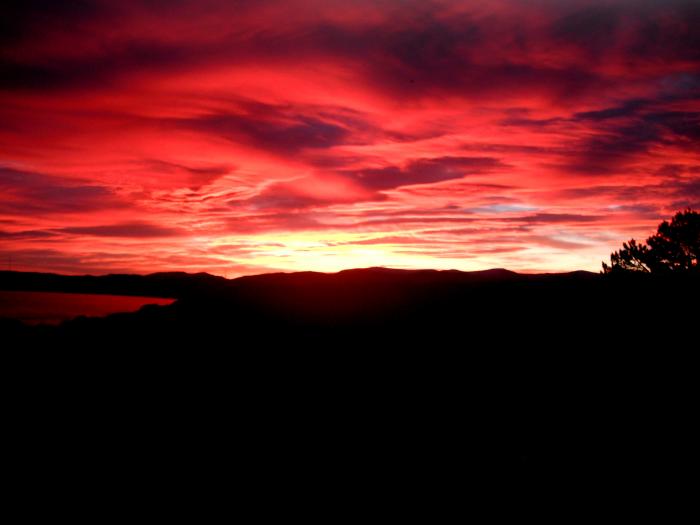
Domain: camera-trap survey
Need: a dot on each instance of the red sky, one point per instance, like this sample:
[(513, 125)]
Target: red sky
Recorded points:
[(239, 137)]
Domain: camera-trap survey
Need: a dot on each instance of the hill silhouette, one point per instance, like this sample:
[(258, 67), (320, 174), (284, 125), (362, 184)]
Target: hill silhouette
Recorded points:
[(515, 378), (378, 308)]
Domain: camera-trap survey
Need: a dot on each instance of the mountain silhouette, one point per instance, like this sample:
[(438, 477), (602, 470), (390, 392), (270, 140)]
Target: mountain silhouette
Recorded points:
[(417, 374), (379, 308), (372, 303)]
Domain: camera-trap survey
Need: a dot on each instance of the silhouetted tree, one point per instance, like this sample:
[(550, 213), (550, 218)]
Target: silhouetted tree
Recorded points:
[(675, 247)]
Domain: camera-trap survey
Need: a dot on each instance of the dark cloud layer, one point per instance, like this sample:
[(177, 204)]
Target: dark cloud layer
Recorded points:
[(286, 136), (137, 230), (25, 192), (424, 171), (412, 52)]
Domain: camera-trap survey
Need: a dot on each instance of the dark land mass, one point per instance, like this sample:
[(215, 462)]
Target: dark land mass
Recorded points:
[(380, 310), (546, 386)]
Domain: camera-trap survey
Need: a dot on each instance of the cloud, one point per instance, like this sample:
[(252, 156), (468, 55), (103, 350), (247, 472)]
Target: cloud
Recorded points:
[(610, 150), (687, 194), (198, 176), (589, 28), (548, 218), (424, 171), (628, 109), (275, 133), (23, 19), (684, 125), (280, 221), (58, 260), (24, 192), (410, 49), (148, 134), (317, 190), (620, 135), (28, 235), (132, 230)]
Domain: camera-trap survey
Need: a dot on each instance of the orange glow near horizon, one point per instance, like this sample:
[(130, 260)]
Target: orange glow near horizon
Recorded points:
[(240, 138)]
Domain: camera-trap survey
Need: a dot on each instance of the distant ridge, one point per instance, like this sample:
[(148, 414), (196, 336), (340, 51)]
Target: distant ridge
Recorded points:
[(182, 284)]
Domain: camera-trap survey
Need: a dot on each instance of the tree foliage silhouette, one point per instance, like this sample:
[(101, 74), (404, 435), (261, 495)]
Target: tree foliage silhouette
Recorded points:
[(675, 247)]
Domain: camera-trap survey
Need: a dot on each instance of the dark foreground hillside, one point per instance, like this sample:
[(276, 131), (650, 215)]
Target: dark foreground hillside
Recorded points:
[(379, 310), (549, 387)]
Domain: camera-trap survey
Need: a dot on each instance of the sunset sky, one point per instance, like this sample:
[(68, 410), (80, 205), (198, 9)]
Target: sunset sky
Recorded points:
[(239, 137)]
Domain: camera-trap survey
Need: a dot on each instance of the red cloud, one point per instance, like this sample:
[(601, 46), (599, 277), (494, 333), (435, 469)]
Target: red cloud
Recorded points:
[(320, 135)]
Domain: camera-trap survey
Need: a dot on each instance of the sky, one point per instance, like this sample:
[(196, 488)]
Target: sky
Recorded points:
[(242, 137)]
